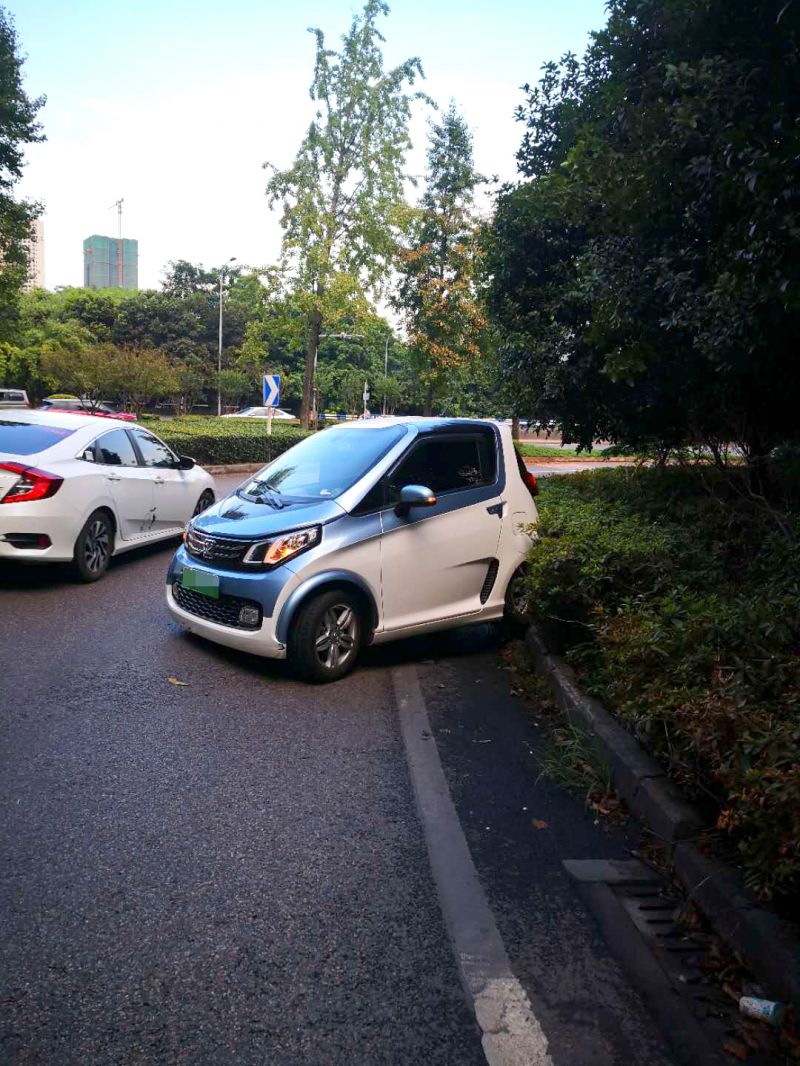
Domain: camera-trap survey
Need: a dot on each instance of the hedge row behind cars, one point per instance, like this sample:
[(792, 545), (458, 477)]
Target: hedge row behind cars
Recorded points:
[(676, 595), (220, 441)]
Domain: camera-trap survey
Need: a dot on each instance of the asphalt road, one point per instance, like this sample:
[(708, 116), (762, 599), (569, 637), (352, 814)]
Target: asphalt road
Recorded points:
[(234, 870)]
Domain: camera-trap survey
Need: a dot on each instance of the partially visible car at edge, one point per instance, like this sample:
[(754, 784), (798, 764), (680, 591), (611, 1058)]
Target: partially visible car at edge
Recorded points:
[(13, 398), (77, 489), (99, 410)]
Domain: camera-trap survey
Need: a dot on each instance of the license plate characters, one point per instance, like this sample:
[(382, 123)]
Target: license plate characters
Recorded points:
[(200, 581)]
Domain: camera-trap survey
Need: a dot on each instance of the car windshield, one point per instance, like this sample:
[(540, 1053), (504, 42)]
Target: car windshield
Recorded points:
[(28, 438), (323, 466)]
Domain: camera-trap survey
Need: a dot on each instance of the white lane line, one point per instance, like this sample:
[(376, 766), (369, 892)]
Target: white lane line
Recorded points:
[(512, 1035)]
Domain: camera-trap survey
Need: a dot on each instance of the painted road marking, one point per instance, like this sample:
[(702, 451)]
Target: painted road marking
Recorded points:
[(512, 1035)]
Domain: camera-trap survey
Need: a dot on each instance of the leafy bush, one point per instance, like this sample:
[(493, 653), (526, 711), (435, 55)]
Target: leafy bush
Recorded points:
[(677, 600), (218, 441)]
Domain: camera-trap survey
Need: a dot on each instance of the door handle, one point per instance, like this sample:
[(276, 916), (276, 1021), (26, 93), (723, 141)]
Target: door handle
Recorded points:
[(497, 508), (113, 477), (158, 481)]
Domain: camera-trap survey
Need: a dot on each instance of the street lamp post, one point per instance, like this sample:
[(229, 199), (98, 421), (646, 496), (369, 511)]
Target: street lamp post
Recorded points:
[(222, 274)]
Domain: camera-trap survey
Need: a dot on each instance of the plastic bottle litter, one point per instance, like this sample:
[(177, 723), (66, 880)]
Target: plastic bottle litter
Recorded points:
[(766, 1010)]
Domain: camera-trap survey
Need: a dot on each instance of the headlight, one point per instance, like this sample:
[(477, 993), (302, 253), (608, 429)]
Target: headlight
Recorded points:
[(273, 552)]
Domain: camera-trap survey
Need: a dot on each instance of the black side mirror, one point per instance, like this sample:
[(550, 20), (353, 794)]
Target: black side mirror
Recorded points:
[(185, 462), (413, 496)]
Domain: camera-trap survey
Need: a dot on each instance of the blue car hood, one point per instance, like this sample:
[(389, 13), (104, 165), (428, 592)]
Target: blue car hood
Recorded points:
[(235, 517)]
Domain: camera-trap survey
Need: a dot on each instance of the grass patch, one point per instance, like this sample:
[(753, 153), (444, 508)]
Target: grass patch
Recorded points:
[(563, 451)]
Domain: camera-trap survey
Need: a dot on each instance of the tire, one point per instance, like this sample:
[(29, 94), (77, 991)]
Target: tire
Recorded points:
[(517, 614), (205, 501), (94, 547), (311, 653)]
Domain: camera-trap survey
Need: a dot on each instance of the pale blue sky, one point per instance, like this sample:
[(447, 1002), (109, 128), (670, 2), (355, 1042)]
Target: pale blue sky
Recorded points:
[(175, 104)]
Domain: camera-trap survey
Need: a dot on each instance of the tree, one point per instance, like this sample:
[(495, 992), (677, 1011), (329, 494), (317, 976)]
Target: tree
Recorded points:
[(18, 127), (140, 375), (342, 198), (647, 275), (437, 293), (87, 371)]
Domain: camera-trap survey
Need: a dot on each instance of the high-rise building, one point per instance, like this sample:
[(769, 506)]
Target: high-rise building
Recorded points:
[(110, 263), (34, 246)]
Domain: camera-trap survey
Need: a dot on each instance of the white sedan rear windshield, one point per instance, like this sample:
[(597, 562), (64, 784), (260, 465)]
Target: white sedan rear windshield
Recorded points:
[(28, 438)]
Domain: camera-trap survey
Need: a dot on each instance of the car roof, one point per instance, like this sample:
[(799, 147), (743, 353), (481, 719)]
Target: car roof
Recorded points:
[(64, 419), (422, 423)]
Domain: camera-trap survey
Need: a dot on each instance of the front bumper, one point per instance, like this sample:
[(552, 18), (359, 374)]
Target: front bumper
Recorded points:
[(269, 589)]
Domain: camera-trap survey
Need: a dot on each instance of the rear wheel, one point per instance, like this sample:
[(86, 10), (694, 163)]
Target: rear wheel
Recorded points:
[(203, 503), (518, 600), (94, 547), (327, 636)]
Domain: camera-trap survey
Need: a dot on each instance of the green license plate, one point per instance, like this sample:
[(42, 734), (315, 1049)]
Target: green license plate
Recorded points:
[(200, 581)]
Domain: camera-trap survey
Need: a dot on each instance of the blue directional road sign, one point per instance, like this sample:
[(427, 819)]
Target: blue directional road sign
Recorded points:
[(272, 390)]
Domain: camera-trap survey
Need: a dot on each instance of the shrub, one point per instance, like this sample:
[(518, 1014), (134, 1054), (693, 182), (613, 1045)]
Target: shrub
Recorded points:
[(218, 441), (677, 601)]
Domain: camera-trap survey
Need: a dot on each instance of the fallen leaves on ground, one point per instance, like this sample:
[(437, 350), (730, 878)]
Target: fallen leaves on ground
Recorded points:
[(537, 823), (175, 681)]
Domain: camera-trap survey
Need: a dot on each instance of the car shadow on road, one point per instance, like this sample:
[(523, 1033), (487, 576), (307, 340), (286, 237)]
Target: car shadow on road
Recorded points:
[(448, 644), (17, 577)]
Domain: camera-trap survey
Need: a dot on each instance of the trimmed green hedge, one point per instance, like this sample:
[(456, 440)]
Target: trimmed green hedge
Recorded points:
[(678, 601), (219, 441)]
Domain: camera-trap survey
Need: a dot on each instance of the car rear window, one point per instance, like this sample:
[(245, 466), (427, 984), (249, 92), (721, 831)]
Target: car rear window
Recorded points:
[(27, 438)]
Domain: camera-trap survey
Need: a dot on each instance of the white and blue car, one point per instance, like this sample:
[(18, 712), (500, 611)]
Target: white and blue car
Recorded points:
[(362, 533)]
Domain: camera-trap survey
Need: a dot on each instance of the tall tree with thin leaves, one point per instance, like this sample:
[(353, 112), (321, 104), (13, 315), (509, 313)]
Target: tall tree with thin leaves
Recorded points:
[(438, 266), (342, 197)]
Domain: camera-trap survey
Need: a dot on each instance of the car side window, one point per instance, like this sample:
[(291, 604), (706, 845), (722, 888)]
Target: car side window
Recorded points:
[(154, 452), (446, 464), (115, 449)]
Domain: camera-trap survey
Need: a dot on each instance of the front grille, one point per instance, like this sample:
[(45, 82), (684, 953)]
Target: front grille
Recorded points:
[(489, 580), (224, 611), (212, 548)]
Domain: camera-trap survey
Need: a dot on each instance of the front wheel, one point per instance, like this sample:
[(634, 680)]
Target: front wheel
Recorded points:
[(327, 637), (203, 503), (94, 547)]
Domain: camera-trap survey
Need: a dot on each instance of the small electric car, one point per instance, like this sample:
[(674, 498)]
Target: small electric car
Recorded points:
[(362, 533)]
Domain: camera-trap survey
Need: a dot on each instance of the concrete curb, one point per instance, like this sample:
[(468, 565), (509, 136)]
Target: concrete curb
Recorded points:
[(235, 468), (765, 942)]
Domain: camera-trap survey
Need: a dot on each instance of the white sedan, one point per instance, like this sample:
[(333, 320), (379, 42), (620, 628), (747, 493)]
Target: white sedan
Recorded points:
[(261, 412), (81, 489)]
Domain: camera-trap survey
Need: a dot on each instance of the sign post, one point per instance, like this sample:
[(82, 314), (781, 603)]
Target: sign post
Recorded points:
[(366, 399), (271, 387)]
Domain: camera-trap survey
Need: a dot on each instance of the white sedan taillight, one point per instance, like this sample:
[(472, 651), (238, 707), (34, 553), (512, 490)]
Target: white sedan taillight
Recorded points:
[(31, 484)]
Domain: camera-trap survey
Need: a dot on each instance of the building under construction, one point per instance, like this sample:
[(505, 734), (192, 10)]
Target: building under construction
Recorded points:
[(110, 263)]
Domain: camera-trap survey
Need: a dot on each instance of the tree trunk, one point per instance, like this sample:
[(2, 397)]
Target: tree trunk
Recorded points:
[(427, 410), (311, 362), (515, 427)]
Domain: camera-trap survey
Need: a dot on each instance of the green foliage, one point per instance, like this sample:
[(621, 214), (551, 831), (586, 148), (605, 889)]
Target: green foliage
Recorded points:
[(677, 600), (218, 441), (646, 276), (18, 127), (342, 198), (438, 268)]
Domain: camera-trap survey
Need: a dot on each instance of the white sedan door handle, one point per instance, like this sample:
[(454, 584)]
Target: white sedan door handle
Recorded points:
[(113, 477), (158, 481)]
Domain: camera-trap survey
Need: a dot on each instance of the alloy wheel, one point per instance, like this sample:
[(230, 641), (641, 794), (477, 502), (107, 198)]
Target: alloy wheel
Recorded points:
[(336, 637), (96, 546)]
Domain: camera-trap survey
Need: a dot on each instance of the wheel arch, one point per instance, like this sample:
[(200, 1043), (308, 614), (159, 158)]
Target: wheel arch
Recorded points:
[(326, 582)]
